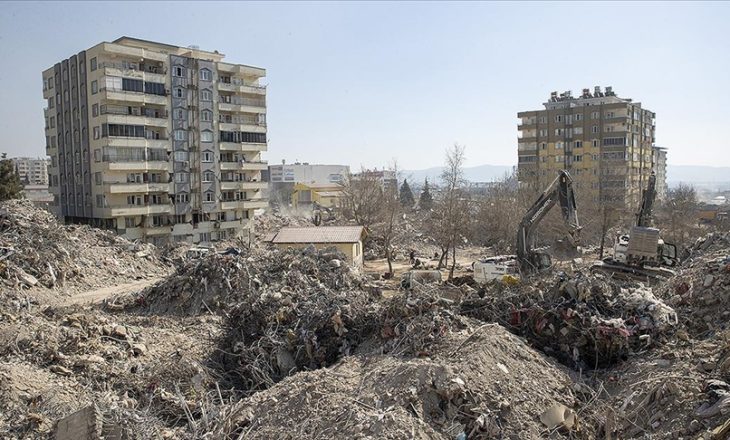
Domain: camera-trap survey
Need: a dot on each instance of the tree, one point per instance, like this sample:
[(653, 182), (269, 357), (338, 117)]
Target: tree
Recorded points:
[(406, 195), (363, 195), (498, 214), (391, 205), (10, 186), (425, 200), (679, 211), (450, 218)]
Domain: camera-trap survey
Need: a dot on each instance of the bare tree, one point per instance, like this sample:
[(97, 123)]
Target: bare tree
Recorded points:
[(450, 219), (363, 194), (679, 212), (498, 215), (390, 207)]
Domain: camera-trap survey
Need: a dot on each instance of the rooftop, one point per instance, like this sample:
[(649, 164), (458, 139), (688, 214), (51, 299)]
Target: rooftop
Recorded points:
[(321, 234)]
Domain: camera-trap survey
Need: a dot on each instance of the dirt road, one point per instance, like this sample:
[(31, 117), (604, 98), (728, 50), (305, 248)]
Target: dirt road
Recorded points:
[(98, 295)]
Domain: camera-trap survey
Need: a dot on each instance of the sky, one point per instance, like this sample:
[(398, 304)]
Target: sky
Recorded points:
[(364, 84)]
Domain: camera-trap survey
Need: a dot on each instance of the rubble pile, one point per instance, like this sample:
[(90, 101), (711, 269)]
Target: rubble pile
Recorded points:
[(701, 290), (272, 222), (217, 281), (136, 370), (586, 321), (480, 382), (37, 251)]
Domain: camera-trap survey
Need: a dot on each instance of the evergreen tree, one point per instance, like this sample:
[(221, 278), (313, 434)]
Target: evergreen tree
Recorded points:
[(426, 200), (10, 187), (406, 195)]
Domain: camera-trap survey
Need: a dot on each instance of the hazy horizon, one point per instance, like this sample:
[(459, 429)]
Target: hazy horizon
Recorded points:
[(364, 83)]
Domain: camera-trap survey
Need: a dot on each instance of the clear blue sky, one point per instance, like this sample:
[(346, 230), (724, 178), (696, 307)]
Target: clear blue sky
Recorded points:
[(363, 83)]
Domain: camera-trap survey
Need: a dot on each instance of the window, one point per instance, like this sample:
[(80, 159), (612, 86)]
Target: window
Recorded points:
[(180, 135), (608, 128), (207, 156), (99, 200), (206, 136), (178, 92), (578, 144), (568, 119), (558, 132), (578, 117), (182, 177), (53, 122), (559, 159), (543, 146), (209, 196), (594, 129), (97, 133), (206, 116), (577, 158), (542, 119), (182, 198), (94, 87), (93, 64), (129, 222), (543, 132), (179, 114), (558, 118), (181, 156), (152, 88), (594, 115), (206, 95), (95, 110), (595, 157), (595, 143), (559, 145), (207, 177), (157, 220), (51, 103), (609, 115), (578, 130), (205, 74), (177, 71), (205, 237)]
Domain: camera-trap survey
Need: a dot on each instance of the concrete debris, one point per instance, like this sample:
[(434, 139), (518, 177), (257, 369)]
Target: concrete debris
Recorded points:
[(265, 343), (40, 252)]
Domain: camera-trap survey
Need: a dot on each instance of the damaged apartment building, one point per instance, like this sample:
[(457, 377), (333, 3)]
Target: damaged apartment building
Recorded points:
[(158, 142), (605, 142)]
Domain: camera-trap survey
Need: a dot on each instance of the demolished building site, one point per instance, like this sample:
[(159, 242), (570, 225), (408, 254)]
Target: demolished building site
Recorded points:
[(295, 343)]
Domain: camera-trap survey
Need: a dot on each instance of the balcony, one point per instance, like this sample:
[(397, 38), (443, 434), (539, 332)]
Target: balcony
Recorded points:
[(134, 120), (132, 210), (243, 166), (136, 97), (255, 204), (157, 230), (242, 185), (251, 71), (134, 52), (242, 87), (242, 146), (251, 126), (136, 166), (122, 141), (132, 187), (156, 75)]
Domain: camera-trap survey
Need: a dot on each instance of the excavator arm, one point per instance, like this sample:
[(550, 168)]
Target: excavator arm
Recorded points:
[(643, 217), (559, 191)]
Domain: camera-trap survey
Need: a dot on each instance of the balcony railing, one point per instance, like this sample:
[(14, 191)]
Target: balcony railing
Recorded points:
[(239, 82), (135, 67), (241, 120), (238, 100)]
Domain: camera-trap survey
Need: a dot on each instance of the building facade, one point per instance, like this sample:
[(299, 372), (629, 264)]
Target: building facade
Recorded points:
[(659, 159), (32, 170), (605, 142), (159, 142), (308, 173)]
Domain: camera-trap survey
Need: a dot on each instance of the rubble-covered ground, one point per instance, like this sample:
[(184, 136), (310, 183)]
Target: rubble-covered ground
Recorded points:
[(296, 344), (42, 259)]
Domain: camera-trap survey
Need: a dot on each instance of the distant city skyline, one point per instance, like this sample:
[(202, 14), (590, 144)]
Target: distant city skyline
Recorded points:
[(365, 83)]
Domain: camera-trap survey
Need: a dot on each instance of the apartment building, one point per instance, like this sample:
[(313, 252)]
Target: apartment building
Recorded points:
[(158, 142), (307, 173), (604, 141), (32, 170)]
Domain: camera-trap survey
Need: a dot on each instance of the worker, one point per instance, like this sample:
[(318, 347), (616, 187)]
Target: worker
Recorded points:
[(412, 256)]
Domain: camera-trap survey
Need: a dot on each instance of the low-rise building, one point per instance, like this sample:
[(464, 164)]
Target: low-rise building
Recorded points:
[(306, 195), (347, 239), (282, 178)]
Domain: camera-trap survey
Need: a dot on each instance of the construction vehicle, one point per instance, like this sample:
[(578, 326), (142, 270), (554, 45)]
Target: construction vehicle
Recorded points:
[(528, 259), (641, 254), (318, 210)]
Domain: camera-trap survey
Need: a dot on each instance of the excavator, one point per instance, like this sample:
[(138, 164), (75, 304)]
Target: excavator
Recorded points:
[(641, 254), (529, 260)]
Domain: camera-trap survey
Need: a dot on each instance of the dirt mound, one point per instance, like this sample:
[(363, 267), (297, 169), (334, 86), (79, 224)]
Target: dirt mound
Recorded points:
[(586, 321), (482, 382), (37, 251)]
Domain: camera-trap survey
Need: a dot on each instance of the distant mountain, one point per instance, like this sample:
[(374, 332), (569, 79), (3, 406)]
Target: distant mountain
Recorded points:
[(697, 174), (481, 173)]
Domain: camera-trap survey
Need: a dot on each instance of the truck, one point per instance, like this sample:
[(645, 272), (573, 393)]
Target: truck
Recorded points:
[(528, 258)]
